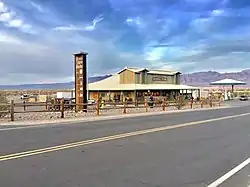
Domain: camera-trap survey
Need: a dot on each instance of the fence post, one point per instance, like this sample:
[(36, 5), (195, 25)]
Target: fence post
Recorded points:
[(24, 107), (136, 103), (46, 105), (12, 105), (191, 103), (97, 108), (124, 107), (163, 104), (211, 103), (62, 108), (146, 105)]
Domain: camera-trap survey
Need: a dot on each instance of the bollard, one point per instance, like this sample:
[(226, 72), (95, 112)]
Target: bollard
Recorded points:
[(12, 105), (124, 107), (201, 104), (97, 108), (163, 104), (191, 104), (24, 106), (211, 103), (62, 108), (146, 105)]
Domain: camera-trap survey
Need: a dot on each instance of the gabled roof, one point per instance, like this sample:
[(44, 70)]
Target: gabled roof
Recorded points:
[(163, 72), (228, 82), (160, 72), (133, 69)]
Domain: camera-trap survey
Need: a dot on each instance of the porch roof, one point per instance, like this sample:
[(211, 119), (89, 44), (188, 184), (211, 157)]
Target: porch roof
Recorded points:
[(112, 84)]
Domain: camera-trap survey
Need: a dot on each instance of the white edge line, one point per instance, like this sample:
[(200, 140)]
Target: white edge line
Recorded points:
[(229, 174)]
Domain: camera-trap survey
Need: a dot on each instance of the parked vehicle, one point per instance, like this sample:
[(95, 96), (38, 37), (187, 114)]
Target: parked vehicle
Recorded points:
[(56, 104), (91, 101), (60, 95), (25, 96), (243, 98)]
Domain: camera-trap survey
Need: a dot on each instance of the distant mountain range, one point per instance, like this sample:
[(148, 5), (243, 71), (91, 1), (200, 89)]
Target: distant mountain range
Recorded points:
[(204, 78), (58, 86), (193, 79)]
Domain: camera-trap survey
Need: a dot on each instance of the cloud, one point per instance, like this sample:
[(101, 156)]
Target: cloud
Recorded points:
[(173, 34), (2, 7), (45, 59), (10, 19), (80, 28), (37, 7), (5, 38), (217, 12), (134, 21)]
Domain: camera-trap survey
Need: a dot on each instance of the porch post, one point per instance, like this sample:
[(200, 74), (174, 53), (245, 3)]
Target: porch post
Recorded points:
[(135, 98), (233, 91), (199, 93), (122, 96)]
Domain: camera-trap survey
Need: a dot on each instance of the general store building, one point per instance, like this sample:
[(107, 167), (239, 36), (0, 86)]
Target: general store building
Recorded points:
[(138, 84)]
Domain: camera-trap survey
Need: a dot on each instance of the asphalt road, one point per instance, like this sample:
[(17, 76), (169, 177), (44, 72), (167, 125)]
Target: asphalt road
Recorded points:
[(191, 154)]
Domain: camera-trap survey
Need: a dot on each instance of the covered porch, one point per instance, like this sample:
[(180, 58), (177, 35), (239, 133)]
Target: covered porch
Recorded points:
[(141, 95), (111, 89)]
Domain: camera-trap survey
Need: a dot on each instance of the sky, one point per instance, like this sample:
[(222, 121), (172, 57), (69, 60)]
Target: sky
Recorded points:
[(38, 37)]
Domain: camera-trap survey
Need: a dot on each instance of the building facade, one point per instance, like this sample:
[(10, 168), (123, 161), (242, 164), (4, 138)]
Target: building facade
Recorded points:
[(136, 84), (145, 76)]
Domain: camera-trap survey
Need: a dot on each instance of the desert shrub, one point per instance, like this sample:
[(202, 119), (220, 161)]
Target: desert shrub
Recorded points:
[(179, 102), (3, 105)]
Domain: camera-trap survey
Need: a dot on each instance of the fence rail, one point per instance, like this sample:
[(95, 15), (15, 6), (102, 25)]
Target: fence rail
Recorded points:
[(99, 106)]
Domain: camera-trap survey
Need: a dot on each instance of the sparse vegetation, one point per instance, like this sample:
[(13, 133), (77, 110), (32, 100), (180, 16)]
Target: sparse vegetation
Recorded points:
[(179, 102), (3, 105)]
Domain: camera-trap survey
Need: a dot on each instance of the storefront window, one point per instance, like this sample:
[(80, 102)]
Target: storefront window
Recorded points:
[(128, 96)]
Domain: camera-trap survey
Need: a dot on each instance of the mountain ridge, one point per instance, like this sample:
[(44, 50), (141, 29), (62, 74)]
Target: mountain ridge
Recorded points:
[(202, 78), (205, 77)]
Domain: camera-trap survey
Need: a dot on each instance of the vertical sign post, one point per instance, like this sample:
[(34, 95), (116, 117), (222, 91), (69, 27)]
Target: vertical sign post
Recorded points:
[(80, 62)]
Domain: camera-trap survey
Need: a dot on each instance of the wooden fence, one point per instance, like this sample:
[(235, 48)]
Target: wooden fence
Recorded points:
[(99, 106)]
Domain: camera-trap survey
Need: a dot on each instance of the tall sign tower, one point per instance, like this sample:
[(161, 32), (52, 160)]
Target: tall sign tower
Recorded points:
[(80, 62)]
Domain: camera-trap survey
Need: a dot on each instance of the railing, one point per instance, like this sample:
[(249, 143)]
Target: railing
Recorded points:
[(14, 108)]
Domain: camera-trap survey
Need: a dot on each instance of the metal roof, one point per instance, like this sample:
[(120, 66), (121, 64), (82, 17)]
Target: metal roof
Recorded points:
[(228, 82), (153, 71), (112, 83)]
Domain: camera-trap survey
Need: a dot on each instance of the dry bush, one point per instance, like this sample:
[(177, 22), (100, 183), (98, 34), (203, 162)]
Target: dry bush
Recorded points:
[(179, 102), (3, 105)]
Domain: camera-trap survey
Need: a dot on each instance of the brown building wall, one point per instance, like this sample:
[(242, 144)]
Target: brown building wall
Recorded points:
[(137, 78), (130, 77), (127, 77)]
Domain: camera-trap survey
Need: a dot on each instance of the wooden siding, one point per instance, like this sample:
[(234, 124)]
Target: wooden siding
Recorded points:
[(137, 78), (127, 77), (130, 77)]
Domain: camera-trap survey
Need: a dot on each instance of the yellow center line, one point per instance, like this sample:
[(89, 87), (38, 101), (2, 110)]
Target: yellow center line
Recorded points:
[(109, 138)]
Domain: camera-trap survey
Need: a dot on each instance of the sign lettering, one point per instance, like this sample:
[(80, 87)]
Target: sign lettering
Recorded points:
[(159, 78), (80, 81)]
